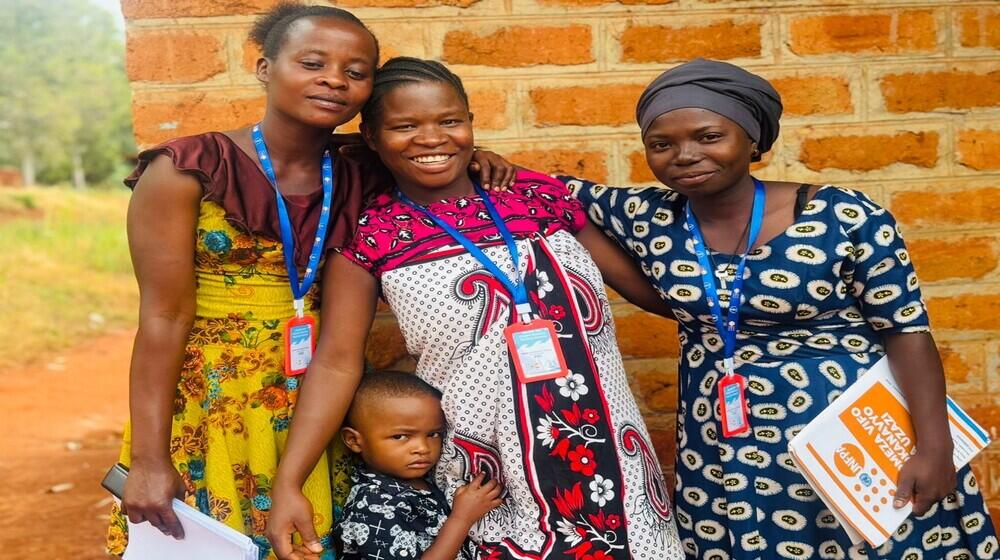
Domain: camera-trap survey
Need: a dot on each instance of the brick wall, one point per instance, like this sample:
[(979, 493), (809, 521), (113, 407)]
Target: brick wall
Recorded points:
[(899, 98)]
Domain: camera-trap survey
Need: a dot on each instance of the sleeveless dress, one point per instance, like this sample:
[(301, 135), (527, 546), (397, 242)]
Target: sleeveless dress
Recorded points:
[(233, 402), (581, 477), (818, 299)]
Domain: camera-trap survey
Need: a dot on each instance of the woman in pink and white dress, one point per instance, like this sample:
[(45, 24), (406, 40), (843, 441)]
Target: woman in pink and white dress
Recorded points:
[(573, 452)]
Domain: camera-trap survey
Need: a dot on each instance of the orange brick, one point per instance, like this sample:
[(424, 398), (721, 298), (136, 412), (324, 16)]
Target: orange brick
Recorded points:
[(403, 3), (589, 165), (251, 52), (814, 95), (965, 312), (489, 108), (870, 32), (353, 125), (585, 106), (520, 46), (599, 2), (639, 171), (959, 257), (937, 90), (158, 117), (865, 153), (173, 56), (979, 27), (979, 149), (947, 208), (964, 364), (657, 387), (643, 335), (385, 344), (136, 9), (988, 416), (723, 40)]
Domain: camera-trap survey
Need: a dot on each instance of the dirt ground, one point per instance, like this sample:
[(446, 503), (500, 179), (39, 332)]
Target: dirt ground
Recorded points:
[(60, 425)]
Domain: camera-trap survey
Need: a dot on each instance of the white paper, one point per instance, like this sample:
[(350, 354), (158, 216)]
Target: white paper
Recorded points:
[(851, 453), (204, 539)]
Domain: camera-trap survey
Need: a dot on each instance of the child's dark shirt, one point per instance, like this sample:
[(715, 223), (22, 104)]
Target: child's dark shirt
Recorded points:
[(387, 519)]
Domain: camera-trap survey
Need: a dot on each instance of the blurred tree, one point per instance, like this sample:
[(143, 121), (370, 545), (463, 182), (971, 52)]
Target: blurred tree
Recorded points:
[(64, 97)]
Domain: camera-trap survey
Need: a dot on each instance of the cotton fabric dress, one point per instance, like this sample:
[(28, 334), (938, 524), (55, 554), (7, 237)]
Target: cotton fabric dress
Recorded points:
[(817, 300), (388, 519), (233, 402), (581, 477)]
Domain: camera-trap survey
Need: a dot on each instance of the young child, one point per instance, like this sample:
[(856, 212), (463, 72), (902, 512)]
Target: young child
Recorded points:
[(396, 425)]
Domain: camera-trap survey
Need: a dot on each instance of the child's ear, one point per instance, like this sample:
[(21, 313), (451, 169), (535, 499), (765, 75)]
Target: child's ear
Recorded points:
[(352, 439)]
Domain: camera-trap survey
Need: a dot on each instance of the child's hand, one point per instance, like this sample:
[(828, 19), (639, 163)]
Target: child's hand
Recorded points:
[(476, 499)]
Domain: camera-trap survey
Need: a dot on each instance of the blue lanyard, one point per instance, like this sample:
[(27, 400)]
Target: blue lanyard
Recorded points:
[(727, 328), (299, 289), (516, 288)]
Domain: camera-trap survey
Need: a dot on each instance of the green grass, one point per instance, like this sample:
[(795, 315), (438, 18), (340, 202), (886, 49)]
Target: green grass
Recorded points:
[(63, 263)]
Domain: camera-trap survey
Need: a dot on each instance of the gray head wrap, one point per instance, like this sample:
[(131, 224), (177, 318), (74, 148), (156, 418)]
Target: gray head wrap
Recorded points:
[(744, 98)]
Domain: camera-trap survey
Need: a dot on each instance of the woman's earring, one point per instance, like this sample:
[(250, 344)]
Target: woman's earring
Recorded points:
[(755, 152)]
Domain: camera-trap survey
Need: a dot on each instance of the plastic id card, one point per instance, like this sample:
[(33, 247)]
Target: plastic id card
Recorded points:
[(300, 341), (534, 349), (733, 405)]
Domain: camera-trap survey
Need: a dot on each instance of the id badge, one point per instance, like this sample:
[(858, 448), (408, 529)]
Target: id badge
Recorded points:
[(535, 351), (300, 341), (733, 405)]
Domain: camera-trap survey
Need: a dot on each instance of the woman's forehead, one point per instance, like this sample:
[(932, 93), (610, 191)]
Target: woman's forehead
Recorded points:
[(329, 35), (687, 118)]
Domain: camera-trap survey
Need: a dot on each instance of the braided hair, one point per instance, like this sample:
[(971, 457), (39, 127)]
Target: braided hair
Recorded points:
[(403, 70), (271, 29)]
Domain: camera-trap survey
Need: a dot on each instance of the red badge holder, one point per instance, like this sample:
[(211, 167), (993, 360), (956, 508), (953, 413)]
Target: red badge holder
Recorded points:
[(535, 350), (300, 342), (733, 405)]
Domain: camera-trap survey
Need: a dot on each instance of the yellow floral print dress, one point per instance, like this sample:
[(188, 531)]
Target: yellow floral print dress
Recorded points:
[(233, 403)]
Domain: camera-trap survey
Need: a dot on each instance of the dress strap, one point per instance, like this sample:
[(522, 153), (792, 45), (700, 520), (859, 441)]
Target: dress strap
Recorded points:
[(801, 199)]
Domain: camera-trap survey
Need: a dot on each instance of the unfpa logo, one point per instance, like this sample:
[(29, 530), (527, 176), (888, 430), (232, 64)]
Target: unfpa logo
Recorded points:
[(849, 460)]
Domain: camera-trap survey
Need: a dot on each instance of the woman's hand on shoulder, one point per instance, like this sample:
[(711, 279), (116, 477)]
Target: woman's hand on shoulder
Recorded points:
[(495, 172), (148, 496)]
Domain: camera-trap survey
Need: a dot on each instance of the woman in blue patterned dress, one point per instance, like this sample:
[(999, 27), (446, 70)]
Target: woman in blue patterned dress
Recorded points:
[(827, 289)]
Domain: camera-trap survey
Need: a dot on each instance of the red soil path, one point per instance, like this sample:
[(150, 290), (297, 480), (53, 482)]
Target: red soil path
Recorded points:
[(60, 425)]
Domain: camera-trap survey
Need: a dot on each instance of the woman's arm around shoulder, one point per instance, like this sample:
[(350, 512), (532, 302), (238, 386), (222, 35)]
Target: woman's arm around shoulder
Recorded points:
[(349, 300), (162, 222), (621, 272)]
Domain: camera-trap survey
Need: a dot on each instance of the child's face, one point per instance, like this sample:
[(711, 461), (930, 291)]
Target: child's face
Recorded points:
[(399, 436)]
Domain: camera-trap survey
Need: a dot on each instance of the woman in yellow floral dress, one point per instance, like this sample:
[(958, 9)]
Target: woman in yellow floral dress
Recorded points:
[(210, 403)]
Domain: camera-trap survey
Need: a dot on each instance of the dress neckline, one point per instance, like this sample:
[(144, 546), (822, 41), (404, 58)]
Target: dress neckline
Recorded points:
[(298, 197), (780, 235)]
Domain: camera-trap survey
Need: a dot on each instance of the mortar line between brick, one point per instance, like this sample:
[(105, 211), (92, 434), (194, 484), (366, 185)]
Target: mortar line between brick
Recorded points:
[(949, 31)]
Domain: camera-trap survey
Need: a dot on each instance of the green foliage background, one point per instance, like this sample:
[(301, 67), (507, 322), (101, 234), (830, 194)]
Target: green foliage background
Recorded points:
[(63, 90), (65, 273)]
